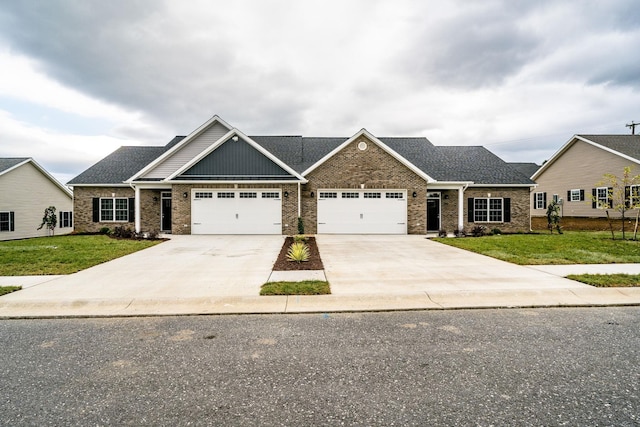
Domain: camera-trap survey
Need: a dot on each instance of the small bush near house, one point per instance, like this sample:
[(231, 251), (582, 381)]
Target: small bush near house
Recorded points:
[(298, 252), (122, 232), (300, 225), (105, 230), (300, 238), (459, 232), (478, 231), (442, 233), (496, 231)]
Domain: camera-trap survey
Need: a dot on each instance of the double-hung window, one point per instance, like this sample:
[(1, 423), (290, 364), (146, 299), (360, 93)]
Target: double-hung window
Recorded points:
[(576, 195), (6, 221), (539, 200), (114, 210), (602, 197), (66, 219), (488, 210), (634, 195)]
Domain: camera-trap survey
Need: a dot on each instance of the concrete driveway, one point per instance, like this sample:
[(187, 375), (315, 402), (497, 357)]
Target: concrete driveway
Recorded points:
[(385, 264), (183, 267)]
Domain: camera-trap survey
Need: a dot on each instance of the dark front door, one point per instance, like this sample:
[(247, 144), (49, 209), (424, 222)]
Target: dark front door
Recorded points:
[(433, 214), (166, 214)]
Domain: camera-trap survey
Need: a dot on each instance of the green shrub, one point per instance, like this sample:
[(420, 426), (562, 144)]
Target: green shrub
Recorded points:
[(478, 231), (105, 230), (298, 252), (442, 233), (496, 231), (300, 225), (300, 238)]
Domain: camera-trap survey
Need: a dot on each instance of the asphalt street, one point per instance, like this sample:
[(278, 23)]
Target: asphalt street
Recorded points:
[(557, 366)]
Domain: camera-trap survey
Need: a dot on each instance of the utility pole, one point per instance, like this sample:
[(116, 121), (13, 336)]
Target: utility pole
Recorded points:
[(633, 127)]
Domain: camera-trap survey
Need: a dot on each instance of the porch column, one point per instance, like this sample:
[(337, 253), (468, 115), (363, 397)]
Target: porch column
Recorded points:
[(461, 208), (137, 209)]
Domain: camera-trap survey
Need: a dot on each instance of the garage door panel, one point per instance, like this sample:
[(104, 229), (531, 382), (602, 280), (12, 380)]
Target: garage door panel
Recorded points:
[(362, 212), (236, 212)]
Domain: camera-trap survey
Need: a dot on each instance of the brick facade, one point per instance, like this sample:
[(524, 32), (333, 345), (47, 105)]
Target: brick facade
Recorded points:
[(520, 220), (376, 169), (83, 207)]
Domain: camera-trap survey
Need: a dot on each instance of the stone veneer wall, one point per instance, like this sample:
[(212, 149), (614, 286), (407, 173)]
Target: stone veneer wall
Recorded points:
[(376, 169), (83, 207), (181, 206), (448, 210), (150, 210), (520, 219)]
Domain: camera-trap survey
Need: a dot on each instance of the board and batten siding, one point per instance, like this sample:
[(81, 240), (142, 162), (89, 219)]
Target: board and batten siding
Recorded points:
[(580, 167), (27, 192), (188, 152)]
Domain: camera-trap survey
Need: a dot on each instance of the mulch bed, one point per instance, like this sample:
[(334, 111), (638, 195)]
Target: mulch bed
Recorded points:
[(314, 263)]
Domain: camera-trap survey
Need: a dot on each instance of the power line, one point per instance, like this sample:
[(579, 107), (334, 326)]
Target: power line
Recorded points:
[(633, 127)]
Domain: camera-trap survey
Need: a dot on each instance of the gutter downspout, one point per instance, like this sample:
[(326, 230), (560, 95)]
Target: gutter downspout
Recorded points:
[(299, 201)]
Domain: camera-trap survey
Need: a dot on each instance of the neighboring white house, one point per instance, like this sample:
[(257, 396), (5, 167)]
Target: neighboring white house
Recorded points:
[(26, 190)]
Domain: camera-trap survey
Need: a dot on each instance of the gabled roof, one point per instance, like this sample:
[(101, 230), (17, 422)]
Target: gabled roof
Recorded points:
[(296, 155), (118, 166), (525, 168), (378, 142), (8, 164), (625, 146)]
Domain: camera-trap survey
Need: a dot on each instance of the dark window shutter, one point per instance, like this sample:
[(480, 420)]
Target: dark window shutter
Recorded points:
[(132, 209), (96, 209), (582, 195), (507, 209), (627, 196), (568, 195), (594, 202), (544, 200), (12, 221), (60, 222), (470, 209), (609, 198), (70, 219)]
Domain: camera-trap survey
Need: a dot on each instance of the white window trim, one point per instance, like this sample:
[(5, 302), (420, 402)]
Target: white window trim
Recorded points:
[(114, 210), (8, 221), (599, 203), (488, 210), (575, 195), (538, 200)]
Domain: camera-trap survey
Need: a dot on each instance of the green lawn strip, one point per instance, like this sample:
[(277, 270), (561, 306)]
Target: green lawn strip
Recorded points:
[(572, 247), (608, 280), (8, 289), (305, 287), (63, 254)]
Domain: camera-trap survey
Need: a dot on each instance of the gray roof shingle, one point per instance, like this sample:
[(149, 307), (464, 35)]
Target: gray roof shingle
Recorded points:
[(9, 162), (625, 144), (443, 163), (527, 169)]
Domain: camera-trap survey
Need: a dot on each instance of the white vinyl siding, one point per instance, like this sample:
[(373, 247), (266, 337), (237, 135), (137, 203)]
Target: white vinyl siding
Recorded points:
[(188, 152)]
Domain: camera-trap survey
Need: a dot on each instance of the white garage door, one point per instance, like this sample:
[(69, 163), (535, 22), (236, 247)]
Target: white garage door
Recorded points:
[(362, 211), (236, 212)]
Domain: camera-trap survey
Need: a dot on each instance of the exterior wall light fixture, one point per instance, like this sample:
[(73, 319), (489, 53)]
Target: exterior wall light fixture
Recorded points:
[(185, 194)]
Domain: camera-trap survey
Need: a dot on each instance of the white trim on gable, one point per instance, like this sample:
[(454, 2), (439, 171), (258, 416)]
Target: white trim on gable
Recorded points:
[(213, 120), (235, 132), (385, 147), (569, 144), (43, 171)]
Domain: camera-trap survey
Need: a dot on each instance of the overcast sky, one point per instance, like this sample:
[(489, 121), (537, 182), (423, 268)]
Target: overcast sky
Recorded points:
[(79, 78)]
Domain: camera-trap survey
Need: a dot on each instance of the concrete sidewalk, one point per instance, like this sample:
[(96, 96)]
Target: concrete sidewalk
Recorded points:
[(223, 274)]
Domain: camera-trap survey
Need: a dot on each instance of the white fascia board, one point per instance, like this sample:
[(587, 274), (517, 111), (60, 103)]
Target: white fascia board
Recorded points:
[(179, 145), (554, 157), (503, 185), (121, 184), (609, 150), (385, 147), (16, 166), (235, 132), (228, 181), (61, 186), (448, 185)]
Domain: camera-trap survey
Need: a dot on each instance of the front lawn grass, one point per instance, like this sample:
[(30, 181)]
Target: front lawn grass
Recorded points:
[(305, 287), (572, 247), (608, 280), (8, 289), (63, 254)]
